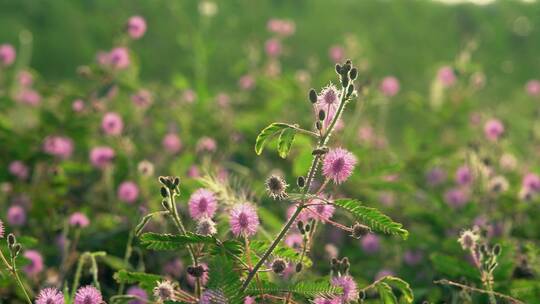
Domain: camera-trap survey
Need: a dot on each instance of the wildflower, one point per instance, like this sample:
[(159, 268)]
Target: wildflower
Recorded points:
[(338, 165), (118, 58), (78, 105), (350, 289), (78, 219), (202, 203), (493, 129), (128, 192), (498, 184), (508, 162), (463, 175), (323, 210), (321, 300), (205, 226), (172, 143), (281, 27), (136, 27), (244, 220), (88, 295), (211, 296), (273, 47), (389, 86), (533, 87), (336, 53), (276, 187), (189, 96), (294, 240), (246, 82), (223, 100), (174, 268), (164, 290), (446, 76), (206, 144), (16, 215), (7, 54), (18, 169), (328, 97), (208, 8), (29, 97), (36, 262), (435, 176), (145, 168), (531, 182), (50, 296), (25, 78), (112, 124), (143, 98), (60, 146), (468, 239), (371, 243), (413, 257), (101, 156), (140, 293), (2, 229), (249, 300), (456, 197)]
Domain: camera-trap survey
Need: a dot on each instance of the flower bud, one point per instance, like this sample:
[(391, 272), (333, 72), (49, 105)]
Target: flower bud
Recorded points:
[(163, 191), (322, 115), (307, 228), (298, 267), (344, 80), (278, 266), (345, 264), (15, 250), (353, 73), (300, 226), (318, 125), (11, 240), (350, 89), (338, 69), (312, 96), (301, 181), (195, 271), (497, 249)]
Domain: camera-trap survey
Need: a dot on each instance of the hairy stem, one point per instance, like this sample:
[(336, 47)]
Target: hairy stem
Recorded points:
[(466, 287)]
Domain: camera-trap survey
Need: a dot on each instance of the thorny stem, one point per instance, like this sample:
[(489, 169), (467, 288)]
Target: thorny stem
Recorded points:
[(488, 292), (323, 140), (13, 270)]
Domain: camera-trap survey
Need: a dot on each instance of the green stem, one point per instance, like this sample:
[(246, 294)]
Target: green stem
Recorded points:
[(13, 270), (127, 255)]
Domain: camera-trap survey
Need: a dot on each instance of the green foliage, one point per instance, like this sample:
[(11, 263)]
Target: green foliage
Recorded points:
[(157, 241), (321, 288), (286, 253), (286, 132), (372, 217), (223, 277), (286, 138), (402, 286), (145, 280)]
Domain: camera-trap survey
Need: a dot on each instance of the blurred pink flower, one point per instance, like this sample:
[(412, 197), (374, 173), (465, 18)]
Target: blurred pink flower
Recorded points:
[(7, 54), (189, 96), (136, 27), (246, 82), (204, 279), (281, 27), (28, 96), (172, 143), (456, 197), (389, 86), (128, 192), (370, 243), (273, 47), (118, 58), (59, 146), (88, 295), (384, 273), (223, 100), (142, 297), (531, 181), (493, 129), (36, 262), (336, 53), (350, 289), (112, 124), (446, 76), (533, 87), (16, 215), (25, 78), (19, 169), (463, 175), (193, 172), (101, 156), (78, 105), (78, 219), (206, 144), (143, 98)]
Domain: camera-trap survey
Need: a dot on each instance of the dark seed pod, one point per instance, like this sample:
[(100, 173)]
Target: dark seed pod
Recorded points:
[(164, 192), (350, 89), (300, 226), (320, 151), (163, 180), (318, 125), (359, 230), (11, 239), (335, 264), (353, 73), (307, 228), (301, 181), (322, 115), (16, 249), (497, 249), (278, 266), (176, 181), (298, 267), (344, 80), (312, 96), (338, 69), (345, 265), (196, 271), (362, 295)]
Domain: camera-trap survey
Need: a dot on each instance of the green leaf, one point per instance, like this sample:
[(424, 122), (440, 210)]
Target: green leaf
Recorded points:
[(286, 253), (453, 267), (386, 294), (403, 286), (158, 241), (372, 217), (145, 280), (266, 133), (320, 288), (221, 276), (286, 138)]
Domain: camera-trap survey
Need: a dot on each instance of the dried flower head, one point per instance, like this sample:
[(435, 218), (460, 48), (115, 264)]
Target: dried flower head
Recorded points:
[(276, 187), (468, 239), (205, 226), (278, 266), (164, 290)]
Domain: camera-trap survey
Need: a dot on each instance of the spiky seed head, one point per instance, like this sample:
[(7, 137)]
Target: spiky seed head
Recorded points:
[(276, 187), (205, 226), (359, 230), (278, 266), (468, 239), (298, 267)]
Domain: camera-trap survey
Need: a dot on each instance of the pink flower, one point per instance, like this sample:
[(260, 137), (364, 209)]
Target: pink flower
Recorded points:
[(29, 97), (456, 197), (304, 215), (446, 76), (128, 192), (384, 273), (78, 219), (493, 129), (350, 289), (118, 58), (223, 100), (281, 27), (25, 78), (338, 165), (7, 54), (206, 144), (16, 215), (413, 257), (139, 293), (389, 86), (143, 98), (246, 82), (78, 105), (244, 220), (189, 96), (88, 295), (36, 262), (370, 243), (102, 156), (321, 300), (50, 296), (336, 53), (531, 182), (273, 47), (193, 172), (249, 300), (323, 211), (18, 169), (202, 203), (112, 124), (204, 279), (172, 143), (435, 176), (59, 146), (533, 87), (294, 240), (136, 27), (463, 175)]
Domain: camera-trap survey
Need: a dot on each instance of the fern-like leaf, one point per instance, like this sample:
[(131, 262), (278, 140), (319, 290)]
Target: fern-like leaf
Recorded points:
[(157, 241), (309, 289)]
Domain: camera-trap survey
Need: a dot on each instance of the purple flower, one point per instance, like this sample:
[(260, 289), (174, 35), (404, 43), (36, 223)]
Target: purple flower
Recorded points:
[(281, 27), (118, 58), (435, 176), (16, 215), (533, 87), (78, 219), (172, 143), (139, 293), (413, 257), (101, 156), (246, 82), (204, 279), (273, 47), (493, 129), (88, 295), (244, 220), (350, 289), (206, 144), (193, 172), (50, 296), (25, 78), (321, 300), (29, 97), (384, 273), (202, 203), (7, 54), (389, 86), (136, 27), (446, 76), (128, 192), (336, 53), (143, 98), (531, 182), (323, 211), (112, 124), (370, 243), (174, 268), (338, 165), (19, 169), (456, 197), (78, 105), (59, 146), (294, 240), (463, 175), (249, 300), (36, 262)]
